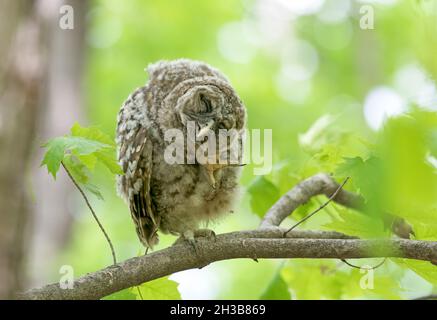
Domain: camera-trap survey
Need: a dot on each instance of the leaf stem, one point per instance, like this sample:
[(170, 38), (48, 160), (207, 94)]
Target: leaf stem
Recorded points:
[(92, 212)]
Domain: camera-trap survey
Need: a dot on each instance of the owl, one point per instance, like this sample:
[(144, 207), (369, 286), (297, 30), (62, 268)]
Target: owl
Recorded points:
[(177, 198)]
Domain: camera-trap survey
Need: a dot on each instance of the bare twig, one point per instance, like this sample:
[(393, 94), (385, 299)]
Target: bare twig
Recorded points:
[(92, 212), (319, 208), (139, 293), (366, 268)]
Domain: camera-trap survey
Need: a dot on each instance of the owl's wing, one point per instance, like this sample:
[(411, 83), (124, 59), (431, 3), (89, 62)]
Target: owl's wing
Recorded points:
[(135, 156)]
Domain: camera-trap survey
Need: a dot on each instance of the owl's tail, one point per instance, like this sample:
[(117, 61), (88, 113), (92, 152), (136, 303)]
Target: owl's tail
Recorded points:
[(147, 233)]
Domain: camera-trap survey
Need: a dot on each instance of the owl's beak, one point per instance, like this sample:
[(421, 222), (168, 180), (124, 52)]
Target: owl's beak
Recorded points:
[(204, 130)]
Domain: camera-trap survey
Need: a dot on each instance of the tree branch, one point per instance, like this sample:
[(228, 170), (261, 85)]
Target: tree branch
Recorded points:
[(268, 242), (181, 257), (316, 185)]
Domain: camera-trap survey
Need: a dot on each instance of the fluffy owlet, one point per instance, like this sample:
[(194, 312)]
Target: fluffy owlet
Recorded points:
[(176, 197)]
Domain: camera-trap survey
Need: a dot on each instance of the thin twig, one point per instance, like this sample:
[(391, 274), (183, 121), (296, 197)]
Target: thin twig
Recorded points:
[(92, 211), (319, 208), (139, 293), (365, 268)]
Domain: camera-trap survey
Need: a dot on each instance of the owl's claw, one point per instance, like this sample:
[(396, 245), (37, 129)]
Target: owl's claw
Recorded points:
[(211, 178), (205, 233), (211, 168), (190, 237)]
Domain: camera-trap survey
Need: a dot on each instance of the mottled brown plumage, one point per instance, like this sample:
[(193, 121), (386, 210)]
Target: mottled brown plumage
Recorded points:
[(175, 198)]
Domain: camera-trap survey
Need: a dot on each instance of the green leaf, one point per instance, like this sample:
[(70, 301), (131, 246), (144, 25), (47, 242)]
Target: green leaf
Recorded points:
[(91, 133), (350, 166), (94, 190), (83, 146), (58, 147), (80, 152), (89, 160), (81, 174), (409, 180), (326, 279), (54, 155), (425, 269), (125, 294), (312, 280), (107, 156), (277, 289), (108, 159), (88, 145), (355, 223), (263, 195), (159, 289), (328, 143), (77, 169)]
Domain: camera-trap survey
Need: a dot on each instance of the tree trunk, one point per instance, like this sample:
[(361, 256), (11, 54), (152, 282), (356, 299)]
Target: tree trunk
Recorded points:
[(21, 72), (62, 106)]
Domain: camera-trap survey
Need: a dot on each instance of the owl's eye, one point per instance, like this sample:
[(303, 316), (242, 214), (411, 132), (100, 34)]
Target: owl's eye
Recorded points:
[(206, 104)]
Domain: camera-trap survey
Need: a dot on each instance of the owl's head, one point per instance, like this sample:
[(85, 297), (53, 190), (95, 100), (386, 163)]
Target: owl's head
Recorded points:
[(211, 104), (197, 94), (193, 91), (206, 106)]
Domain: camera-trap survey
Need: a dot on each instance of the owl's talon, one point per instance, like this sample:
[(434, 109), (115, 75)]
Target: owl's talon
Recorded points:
[(188, 237), (205, 233), (193, 244), (191, 236)]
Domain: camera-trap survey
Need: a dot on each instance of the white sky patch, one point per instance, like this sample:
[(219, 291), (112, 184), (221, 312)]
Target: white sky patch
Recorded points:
[(299, 63), (384, 2), (292, 91), (416, 86), (432, 160), (271, 24), (235, 42), (299, 7), (198, 284), (381, 103), (272, 20), (335, 11), (300, 60)]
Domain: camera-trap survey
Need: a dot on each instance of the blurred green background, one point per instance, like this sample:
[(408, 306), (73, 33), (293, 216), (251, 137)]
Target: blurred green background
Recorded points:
[(326, 87)]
